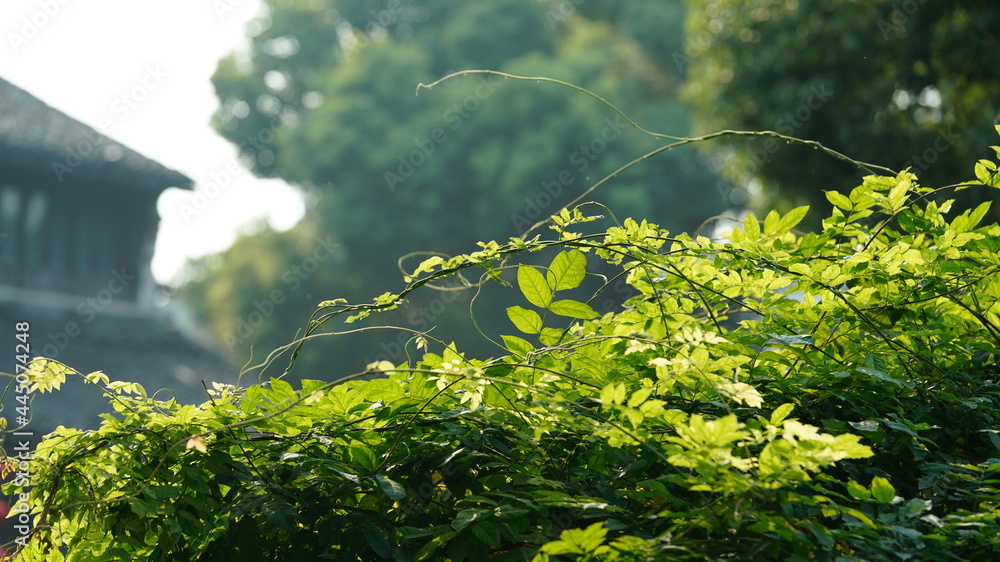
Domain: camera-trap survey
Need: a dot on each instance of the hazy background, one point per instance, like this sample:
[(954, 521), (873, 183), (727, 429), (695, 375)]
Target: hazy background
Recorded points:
[(86, 55)]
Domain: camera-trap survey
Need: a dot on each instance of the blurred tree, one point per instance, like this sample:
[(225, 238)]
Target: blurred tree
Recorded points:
[(895, 83), (324, 98)]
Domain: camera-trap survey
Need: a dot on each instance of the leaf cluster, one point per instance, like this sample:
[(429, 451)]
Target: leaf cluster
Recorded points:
[(773, 394)]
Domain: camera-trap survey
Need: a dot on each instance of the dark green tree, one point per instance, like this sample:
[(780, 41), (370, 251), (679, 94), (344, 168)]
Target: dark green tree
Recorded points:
[(898, 83), (325, 98)]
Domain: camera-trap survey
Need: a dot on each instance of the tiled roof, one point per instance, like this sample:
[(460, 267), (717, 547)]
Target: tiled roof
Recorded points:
[(145, 348), (35, 136)]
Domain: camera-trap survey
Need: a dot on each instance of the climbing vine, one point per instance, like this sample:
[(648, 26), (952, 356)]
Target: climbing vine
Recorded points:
[(764, 393)]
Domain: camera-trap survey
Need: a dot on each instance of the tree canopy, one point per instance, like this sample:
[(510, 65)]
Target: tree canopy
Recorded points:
[(900, 84), (325, 97)]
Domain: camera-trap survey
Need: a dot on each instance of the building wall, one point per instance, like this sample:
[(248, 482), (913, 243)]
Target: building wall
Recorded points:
[(73, 240)]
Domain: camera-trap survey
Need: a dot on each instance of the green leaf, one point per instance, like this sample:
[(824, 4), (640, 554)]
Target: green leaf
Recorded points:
[(550, 336), (751, 226), (280, 514), (613, 393), (97, 377), (427, 551), (533, 286), (391, 488), (573, 309), (867, 426), (361, 454), (579, 541), (780, 413), (47, 374), (994, 438), (858, 515), (792, 219), (839, 200), (377, 540), (518, 346), (802, 339), (741, 392), (984, 170), (467, 516), (882, 490), (528, 321), (567, 270), (858, 491), (639, 396), (875, 373), (282, 389), (771, 222), (488, 532), (978, 213)]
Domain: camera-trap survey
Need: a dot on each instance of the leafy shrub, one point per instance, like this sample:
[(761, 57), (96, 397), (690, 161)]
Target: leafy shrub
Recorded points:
[(826, 395)]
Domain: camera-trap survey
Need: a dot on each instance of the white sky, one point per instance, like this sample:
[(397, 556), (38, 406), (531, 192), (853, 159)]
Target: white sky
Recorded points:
[(81, 57)]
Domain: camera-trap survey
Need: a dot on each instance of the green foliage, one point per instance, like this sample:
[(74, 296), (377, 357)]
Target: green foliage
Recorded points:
[(782, 395), (324, 98), (899, 83)]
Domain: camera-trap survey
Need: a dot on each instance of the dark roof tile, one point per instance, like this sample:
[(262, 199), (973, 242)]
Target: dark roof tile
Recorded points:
[(35, 136)]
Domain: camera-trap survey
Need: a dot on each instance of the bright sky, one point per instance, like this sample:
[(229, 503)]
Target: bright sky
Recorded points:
[(81, 57)]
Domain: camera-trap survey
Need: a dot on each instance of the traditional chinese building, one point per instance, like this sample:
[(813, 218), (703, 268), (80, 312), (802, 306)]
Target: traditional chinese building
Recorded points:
[(78, 221)]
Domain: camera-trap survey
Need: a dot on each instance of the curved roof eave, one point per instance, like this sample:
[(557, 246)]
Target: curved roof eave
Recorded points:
[(34, 135)]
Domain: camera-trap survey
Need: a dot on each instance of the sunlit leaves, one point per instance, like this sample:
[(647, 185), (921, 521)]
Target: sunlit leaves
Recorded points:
[(780, 413), (839, 200), (759, 380), (572, 309), (776, 224), (363, 455), (517, 346), (528, 321), (882, 490), (533, 286), (567, 270), (588, 542), (751, 227), (46, 375), (613, 393), (741, 392)]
